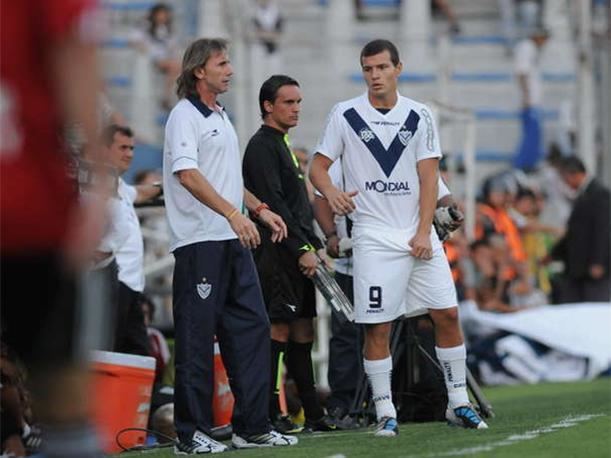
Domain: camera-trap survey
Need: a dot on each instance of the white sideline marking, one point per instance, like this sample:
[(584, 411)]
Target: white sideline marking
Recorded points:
[(567, 422)]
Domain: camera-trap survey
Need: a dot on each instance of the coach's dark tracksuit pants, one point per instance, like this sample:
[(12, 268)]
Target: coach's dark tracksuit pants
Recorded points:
[(216, 291)]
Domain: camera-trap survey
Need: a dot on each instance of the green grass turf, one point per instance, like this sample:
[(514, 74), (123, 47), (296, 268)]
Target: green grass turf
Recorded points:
[(530, 421)]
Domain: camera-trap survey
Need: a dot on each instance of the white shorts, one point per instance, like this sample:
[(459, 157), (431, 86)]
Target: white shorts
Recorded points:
[(389, 282)]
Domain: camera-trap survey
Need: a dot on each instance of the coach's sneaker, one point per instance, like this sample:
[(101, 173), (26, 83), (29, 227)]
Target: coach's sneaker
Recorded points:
[(271, 439), (466, 417), (200, 443), (387, 427)]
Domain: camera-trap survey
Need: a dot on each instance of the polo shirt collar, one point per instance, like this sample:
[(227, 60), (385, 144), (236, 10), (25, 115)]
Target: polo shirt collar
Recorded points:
[(201, 107)]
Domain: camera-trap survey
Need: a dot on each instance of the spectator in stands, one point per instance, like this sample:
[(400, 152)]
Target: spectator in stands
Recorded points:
[(445, 8), (585, 246), (266, 33), (130, 331), (558, 195), (216, 289), (267, 22), (519, 18), (493, 219), (271, 171), (528, 73), (48, 78), (537, 237), (484, 281), (159, 41)]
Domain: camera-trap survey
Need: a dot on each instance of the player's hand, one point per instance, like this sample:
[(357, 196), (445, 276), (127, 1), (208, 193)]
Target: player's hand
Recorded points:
[(421, 246), (333, 246), (275, 223), (308, 263), (597, 271), (322, 256), (341, 202), (246, 231)]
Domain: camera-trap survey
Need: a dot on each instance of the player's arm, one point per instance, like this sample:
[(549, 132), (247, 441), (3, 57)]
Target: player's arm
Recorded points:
[(324, 217), (427, 175), (341, 202), (146, 192), (200, 188), (261, 211)]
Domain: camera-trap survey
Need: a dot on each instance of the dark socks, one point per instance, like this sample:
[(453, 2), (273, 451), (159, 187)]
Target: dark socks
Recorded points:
[(299, 365)]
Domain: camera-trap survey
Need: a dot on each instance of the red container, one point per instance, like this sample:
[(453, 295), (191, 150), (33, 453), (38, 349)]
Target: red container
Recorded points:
[(121, 388)]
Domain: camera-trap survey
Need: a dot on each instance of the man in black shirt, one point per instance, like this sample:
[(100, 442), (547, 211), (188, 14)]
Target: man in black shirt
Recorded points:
[(272, 171)]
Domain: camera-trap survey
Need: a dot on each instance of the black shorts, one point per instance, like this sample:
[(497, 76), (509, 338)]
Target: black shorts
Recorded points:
[(288, 293), (39, 299)]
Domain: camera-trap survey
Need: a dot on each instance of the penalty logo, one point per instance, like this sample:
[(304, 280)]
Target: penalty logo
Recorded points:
[(204, 289), (366, 135)]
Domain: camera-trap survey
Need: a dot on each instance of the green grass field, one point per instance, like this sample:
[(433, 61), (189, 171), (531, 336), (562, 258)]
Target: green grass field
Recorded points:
[(546, 420)]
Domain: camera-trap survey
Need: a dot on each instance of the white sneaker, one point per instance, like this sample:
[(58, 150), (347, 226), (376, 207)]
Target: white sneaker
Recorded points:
[(270, 439), (200, 444), (466, 417), (387, 427)]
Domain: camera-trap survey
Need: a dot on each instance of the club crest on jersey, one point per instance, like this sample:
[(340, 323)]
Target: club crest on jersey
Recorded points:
[(366, 134), (204, 289), (405, 135)]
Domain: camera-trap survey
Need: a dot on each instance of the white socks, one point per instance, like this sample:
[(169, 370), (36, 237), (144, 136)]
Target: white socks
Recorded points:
[(453, 360), (378, 372)]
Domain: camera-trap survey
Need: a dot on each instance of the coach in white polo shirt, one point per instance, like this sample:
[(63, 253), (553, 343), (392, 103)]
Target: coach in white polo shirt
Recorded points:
[(130, 330), (215, 289), (390, 154)]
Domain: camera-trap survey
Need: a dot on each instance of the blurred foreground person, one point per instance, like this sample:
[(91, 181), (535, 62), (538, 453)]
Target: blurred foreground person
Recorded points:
[(48, 78)]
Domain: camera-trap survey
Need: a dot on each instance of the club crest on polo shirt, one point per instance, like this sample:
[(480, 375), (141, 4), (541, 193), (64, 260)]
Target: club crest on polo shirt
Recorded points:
[(204, 289)]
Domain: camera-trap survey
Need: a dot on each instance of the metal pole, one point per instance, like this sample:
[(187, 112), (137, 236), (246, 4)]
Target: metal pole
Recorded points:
[(587, 122), (239, 56), (470, 177)]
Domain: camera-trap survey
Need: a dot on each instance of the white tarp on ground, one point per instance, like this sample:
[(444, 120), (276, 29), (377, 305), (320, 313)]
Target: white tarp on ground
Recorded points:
[(581, 331)]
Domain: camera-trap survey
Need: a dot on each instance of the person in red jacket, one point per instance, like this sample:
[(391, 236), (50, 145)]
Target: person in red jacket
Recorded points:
[(48, 78)]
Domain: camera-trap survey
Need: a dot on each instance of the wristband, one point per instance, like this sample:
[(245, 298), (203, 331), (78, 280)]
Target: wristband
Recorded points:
[(260, 208), (232, 214)]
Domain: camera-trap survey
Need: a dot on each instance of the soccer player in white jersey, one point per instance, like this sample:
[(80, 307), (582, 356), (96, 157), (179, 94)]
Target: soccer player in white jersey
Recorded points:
[(390, 153)]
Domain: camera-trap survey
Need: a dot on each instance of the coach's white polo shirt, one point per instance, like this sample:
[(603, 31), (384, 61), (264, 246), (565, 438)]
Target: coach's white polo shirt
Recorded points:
[(197, 137), (130, 255)]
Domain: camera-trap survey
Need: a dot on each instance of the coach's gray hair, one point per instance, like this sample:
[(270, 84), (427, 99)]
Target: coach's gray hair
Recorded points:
[(196, 55)]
